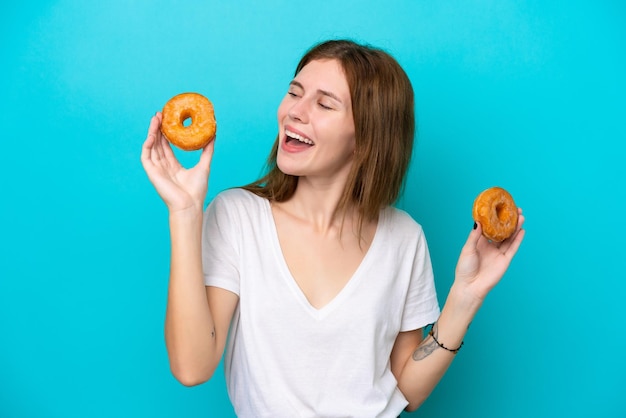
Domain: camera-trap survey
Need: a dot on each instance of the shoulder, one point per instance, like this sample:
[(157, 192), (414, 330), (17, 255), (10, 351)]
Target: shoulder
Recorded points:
[(235, 205), (233, 211), (401, 230), (400, 222), (237, 197)]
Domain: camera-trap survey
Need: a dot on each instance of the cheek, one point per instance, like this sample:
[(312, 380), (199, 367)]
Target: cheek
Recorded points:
[(353, 145), (282, 111), (351, 149), (350, 139)]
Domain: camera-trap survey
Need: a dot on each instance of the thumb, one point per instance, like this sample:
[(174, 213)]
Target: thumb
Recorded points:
[(472, 240), (207, 156), (468, 262)]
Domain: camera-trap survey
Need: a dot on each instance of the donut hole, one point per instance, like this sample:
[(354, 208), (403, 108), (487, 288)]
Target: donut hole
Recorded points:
[(501, 212), (186, 119)]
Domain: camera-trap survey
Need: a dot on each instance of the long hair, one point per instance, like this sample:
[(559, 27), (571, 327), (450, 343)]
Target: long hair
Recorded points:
[(384, 122)]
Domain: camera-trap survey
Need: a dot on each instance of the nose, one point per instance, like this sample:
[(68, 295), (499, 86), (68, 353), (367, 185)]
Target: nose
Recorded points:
[(299, 111)]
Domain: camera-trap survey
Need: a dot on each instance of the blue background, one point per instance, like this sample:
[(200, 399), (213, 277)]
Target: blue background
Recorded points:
[(528, 95)]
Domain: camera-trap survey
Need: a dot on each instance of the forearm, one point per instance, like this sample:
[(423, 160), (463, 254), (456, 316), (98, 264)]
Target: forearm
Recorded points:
[(429, 361), (189, 325)]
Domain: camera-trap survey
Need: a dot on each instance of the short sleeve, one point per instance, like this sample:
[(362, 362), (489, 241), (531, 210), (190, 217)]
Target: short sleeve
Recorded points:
[(220, 251), (421, 305)]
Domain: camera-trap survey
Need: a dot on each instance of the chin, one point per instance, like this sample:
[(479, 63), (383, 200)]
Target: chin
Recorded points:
[(287, 168), (289, 172)]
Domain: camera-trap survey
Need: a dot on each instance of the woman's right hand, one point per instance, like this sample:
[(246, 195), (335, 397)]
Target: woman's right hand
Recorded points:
[(181, 189)]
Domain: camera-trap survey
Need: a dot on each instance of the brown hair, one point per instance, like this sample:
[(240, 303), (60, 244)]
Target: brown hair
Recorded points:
[(384, 122)]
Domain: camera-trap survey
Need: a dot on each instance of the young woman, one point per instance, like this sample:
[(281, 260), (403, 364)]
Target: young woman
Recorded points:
[(314, 285)]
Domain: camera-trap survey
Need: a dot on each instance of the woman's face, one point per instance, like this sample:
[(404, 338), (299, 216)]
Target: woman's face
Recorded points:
[(316, 126)]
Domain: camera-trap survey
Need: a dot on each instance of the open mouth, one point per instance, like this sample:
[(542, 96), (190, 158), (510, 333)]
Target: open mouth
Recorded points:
[(294, 138)]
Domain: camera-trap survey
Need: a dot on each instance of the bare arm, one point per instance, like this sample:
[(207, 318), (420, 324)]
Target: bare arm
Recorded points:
[(197, 317), (420, 364)]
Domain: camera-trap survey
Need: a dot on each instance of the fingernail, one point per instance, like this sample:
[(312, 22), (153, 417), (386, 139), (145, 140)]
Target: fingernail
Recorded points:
[(475, 225)]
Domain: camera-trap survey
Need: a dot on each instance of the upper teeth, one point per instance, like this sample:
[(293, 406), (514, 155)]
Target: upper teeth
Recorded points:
[(298, 137)]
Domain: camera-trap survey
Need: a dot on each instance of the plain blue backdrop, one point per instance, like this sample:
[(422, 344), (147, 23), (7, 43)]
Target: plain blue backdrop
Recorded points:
[(528, 95)]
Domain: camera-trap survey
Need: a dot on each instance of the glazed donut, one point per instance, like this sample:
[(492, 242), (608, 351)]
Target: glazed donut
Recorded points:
[(192, 106), (496, 212)]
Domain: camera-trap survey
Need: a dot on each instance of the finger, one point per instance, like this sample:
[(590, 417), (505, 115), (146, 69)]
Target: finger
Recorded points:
[(155, 125), (167, 152), (520, 220), (151, 139), (471, 244), (207, 156), (161, 145), (146, 151), (154, 132), (515, 243), (506, 244)]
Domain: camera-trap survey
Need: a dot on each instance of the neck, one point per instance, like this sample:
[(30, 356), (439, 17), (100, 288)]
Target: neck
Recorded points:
[(317, 203)]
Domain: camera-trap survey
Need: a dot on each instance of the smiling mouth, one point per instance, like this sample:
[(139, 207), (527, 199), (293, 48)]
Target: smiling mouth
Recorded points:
[(294, 137)]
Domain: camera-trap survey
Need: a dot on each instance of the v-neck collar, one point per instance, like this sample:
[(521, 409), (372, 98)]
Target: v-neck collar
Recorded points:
[(290, 281)]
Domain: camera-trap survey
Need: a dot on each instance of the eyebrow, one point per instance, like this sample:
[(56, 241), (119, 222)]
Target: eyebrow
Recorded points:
[(320, 91)]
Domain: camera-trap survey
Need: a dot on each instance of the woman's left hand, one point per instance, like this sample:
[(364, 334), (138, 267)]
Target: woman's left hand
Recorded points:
[(482, 263)]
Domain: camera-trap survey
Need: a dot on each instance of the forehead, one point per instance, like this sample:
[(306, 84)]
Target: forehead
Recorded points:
[(325, 75)]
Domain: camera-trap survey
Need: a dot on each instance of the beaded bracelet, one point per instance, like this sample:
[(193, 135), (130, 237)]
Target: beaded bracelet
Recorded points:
[(452, 350)]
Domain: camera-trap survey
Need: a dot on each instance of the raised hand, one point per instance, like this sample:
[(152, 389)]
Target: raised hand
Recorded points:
[(180, 188), (482, 264)]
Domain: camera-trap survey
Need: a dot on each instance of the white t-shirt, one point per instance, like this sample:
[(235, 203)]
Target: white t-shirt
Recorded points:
[(285, 358)]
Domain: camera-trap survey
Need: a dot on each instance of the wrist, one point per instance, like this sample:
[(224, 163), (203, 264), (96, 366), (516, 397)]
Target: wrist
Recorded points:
[(461, 305), (188, 214), (456, 316), (185, 224)]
